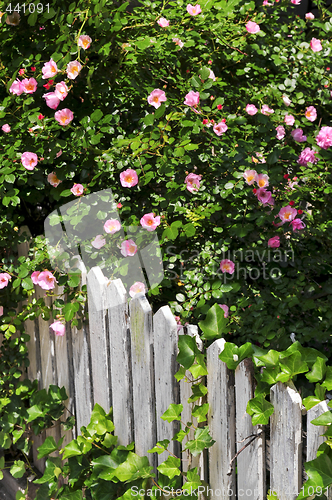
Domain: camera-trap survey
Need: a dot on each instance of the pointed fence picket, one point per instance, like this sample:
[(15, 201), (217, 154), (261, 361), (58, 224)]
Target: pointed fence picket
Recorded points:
[(125, 358)]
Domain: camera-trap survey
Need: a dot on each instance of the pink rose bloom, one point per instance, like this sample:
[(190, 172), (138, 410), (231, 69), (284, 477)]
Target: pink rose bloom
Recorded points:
[(98, 242), (77, 189), (1, 310), (21, 71), (287, 214), (296, 2), (324, 137), (310, 16), (29, 85), (212, 75), (289, 120), (61, 90), (227, 266), (4, 279), (6, 128), (286, 100), (16, 88), (311, 113), (251, 109), (266, 110), (128, 248), (250, 176), (193, 182), (156, 97), (178, 42), (280, 132), (307, 155), (34, 277), (262, 180), (53, 180), (220, 128), (46, 280), (137, 287), (225, 309), (49, 69), (112, 226), (192, 98), (260, 156), (252, 27), (194, 10), (149, 222), (84, 41), (274, 242), (73, 69), (263, 196), (163, 22), (315, 45), (298, 136), (64, 116), (52, 100), (58, 328), (29, 160), (297, 224), (128, 178)]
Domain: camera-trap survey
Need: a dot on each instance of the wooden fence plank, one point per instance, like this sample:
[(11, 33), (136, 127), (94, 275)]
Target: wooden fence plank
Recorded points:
[(314, 432), (143, 376), (120, 361), (285, 442), (99, 342), (221, 420), (251, 481), (166, 387)]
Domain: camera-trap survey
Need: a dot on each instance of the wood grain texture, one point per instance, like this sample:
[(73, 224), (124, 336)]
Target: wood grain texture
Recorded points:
[(314, 432)]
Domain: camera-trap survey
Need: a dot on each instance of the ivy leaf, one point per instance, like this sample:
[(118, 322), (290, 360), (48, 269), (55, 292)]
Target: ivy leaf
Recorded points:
[(310, 402), (193, 480), (17, 470), (170, 467), (260, 410), (200, 412), (71, 450), (202, 440), (318, 371), (319, 473), (293, 364), (160, 447), (5, 441), (269, 359), (199, 390), (323, 419), (215, 323), (328, 379), (34, 412), (48, 446), (187, 351), (172, 413), (133, 468)]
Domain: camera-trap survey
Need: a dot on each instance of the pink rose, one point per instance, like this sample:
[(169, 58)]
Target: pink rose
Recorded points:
[(4, 279), (178, 42), (192, 99), (34, 277), (251, 109), (280, 132), (84, 41), (287, 214), (150, 222), (52, 101), (98, 242), (227, 266), (64, 116), (289, 120), (307, 155), (1, 310), (46, 280), (128, 248), (298, 136), (262, 180), (225, 309), (16, 88), (296, 2), (250, 176), (286, 100), (128, 178), (266, 110), (53, 180), (324, 137), (112, 226), (29, 85), (274, 242), (264, 196), (73, 69), (61, 90), (193, 182), (156, 97), (220, 128), (194, 10), (252, 27), (297, 225), (212, 75), (315, 45), (163, 22), (310, 16), (137, 287), (58, 328), (6, 128), (311, 113), (49, 69), (29, 160), (77, 189)]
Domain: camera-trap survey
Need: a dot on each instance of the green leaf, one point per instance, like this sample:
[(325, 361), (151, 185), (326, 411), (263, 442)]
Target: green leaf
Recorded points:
[(230, 355), (97, 115), (17, 470), (260, 410), (133, 468), (318, 371), (270, 359), (310, 402), (204, 73), (48, 446), (187, 351), (199, 390), (215, 323), (202, 440), (319, 473), (170, 467), (160, 447), (328, 379), (323, 419), (5, 441), (34, 412), (293, 364), (71, 450), (173, 413), (200, 412)]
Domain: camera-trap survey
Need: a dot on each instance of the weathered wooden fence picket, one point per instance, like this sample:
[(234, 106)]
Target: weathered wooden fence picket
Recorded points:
[(126, 358)]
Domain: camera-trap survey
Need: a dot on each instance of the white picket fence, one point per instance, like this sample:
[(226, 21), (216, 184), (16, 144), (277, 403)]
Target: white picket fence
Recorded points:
[(126, 358)]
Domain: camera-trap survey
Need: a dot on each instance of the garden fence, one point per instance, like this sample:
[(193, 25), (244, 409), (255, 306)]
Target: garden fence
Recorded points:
[(126, 358)]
